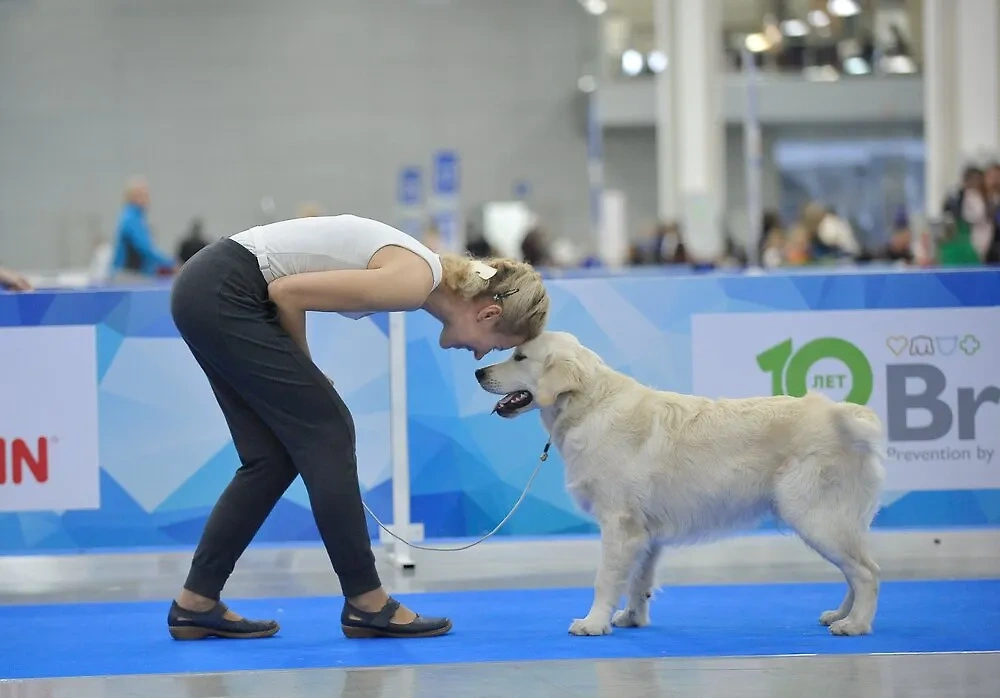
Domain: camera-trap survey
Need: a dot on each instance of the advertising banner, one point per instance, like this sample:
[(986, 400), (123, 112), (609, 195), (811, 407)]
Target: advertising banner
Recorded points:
[(48, 419), (930, 374)]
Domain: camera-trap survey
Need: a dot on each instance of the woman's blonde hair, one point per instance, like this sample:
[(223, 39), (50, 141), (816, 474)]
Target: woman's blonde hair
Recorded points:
[(516, 286)]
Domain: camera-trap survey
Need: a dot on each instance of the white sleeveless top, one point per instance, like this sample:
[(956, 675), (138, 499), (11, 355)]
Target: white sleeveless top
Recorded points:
[(327, 243)]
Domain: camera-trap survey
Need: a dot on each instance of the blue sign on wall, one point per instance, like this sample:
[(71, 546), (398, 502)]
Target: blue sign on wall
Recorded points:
[(446, 173), (411, 188), (446, 187)]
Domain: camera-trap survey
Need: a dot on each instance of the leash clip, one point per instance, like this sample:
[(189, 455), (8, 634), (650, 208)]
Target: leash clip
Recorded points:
[(545, 451)]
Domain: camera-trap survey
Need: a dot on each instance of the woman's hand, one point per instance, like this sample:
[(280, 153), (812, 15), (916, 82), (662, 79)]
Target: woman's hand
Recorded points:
[(293, 321), (13, 281)]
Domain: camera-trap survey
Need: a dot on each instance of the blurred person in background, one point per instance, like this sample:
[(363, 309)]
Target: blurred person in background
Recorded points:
[(733, 256), (10, 280), (431, 237), (192, 242), (535, 248), (799, 247), (772, 241), (309, 210), (975, 213), (830, 235), (773, 254), (476, 244), (969, 233), (478, 247), (565, 254), (899, 248), (992, 182), (636, 255), (135, 253), (669, 244)]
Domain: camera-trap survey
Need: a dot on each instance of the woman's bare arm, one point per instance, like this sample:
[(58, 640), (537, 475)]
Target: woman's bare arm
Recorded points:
[(395, 287)]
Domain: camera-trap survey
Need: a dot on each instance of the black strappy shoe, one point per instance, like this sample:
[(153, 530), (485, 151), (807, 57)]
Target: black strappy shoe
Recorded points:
[(189, 625), (358, 624)]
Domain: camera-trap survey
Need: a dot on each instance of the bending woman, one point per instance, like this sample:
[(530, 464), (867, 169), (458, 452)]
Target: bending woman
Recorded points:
[(240, 304)]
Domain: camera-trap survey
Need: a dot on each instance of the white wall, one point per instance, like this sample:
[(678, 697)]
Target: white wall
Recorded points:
[(223, 102)]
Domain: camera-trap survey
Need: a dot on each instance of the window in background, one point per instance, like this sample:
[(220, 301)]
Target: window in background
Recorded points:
[(868, 182)]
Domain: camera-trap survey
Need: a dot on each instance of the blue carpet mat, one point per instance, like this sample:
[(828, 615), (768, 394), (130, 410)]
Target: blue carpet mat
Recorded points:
[(130, 638)]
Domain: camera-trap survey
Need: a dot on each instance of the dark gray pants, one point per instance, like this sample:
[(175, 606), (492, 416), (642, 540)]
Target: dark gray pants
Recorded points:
[(285, 417)]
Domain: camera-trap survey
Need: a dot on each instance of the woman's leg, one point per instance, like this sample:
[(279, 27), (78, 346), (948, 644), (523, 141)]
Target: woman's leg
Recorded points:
[(263, 477), (297, 403), (293, 397), (265, 474)]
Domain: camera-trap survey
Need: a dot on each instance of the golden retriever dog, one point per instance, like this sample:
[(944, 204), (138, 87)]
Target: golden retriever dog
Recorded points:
[(657, 469)]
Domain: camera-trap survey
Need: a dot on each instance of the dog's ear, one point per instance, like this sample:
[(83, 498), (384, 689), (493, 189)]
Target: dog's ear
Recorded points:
[(560, 376)]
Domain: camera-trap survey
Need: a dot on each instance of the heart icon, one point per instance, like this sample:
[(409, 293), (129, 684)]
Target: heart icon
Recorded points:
[(897, 344)]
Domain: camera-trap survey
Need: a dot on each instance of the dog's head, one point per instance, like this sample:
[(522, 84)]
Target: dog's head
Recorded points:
[(538, 372)]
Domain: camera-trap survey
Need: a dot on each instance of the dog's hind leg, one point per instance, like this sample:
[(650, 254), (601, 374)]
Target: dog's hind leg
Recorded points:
[(640, 589), (833, 519), (830, 617), (622, 539), (846, 550)]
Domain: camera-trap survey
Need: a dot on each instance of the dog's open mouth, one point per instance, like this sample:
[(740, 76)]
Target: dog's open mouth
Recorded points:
[(509, 404)]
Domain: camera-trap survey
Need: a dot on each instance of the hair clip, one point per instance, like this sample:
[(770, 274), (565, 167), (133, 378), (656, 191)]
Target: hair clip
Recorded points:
[(506, 294), (483, 271)]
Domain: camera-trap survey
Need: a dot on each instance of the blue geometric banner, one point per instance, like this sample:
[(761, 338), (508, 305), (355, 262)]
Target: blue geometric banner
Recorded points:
[(469, 467), (165, 452)]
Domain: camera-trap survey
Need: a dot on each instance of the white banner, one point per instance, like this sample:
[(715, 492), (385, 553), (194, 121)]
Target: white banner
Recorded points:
[(932, 376), (48, 419)]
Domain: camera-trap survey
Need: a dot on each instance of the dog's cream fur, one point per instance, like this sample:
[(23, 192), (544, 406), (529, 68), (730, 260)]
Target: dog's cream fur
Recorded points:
[(659, 468)]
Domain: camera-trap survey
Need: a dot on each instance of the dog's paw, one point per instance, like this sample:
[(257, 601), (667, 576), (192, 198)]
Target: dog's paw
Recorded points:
[(846, 626), (584, 626), (831, 617), (631, 618)]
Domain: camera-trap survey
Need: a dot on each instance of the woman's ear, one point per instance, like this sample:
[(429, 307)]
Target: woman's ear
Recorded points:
[(490, 312), (559, 376)]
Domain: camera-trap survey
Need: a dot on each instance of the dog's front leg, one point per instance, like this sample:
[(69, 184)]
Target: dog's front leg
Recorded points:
[(640, 590), (621, 542)]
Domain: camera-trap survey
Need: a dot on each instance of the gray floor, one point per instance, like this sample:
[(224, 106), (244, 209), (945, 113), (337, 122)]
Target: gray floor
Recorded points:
[(277, 572)]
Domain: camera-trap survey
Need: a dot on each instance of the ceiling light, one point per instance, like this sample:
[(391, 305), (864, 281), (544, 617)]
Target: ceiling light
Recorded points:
[(657, 61), (856, 65), (843, 8), (899, 65), (794, 28), (757, 43), (586, 84), (818, 18), (595, 7), (632, 62)]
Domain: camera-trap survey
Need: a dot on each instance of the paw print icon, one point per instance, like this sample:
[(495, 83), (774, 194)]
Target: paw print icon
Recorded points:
[(969, 344)]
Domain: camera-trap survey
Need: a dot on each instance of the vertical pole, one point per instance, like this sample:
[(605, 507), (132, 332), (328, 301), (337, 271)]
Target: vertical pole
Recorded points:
[(753, 157), (399, 444)]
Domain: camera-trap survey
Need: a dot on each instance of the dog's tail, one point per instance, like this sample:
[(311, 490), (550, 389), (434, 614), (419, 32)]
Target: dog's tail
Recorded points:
[(859, 428), (860, 431)]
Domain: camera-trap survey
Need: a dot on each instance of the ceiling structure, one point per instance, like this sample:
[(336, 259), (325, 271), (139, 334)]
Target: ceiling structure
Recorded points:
[(629, 25)]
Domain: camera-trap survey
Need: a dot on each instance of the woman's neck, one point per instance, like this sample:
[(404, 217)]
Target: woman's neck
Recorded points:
[(441, 304)]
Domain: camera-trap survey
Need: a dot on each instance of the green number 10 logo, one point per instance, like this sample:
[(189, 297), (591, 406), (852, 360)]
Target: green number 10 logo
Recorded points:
[(789, 371)]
